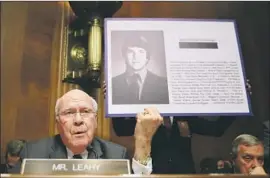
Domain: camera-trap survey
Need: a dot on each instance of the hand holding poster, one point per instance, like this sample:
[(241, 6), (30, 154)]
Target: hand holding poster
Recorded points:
[(181, 67)]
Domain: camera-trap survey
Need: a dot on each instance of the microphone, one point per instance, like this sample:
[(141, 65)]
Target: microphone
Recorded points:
[(90, 150)]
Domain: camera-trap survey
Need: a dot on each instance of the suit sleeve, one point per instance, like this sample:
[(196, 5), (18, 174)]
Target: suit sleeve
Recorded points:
[(210, 128), (23, 153), (124, 126), (266, 141)]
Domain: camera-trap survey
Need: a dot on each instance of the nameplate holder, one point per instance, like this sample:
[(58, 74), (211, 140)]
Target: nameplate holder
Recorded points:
[(75, 166)]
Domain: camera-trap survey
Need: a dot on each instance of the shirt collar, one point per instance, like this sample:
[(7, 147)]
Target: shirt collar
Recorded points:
[(142, 73), (70, 154)]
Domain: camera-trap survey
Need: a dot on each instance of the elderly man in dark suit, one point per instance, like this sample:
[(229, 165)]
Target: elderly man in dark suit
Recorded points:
[(248, 155), (137, 85), (76, 120)]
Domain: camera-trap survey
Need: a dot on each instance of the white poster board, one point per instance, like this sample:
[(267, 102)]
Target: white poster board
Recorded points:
[(186, 67)]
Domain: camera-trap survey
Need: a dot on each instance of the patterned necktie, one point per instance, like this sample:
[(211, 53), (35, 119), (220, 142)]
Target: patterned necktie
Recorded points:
[(77, 156), (167, 122), (134, 86)]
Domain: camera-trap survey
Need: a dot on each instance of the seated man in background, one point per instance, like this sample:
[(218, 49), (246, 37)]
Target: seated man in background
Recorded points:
[(208, 166), (215, 166), (76, 121), (224, 166), (12, 156), (248, 155)]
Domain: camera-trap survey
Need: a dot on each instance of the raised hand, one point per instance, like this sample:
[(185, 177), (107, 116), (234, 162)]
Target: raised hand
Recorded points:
[(148, 123), (146, 126), (257, 171)]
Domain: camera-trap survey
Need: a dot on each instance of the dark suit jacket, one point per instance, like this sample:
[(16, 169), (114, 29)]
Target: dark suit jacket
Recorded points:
[(3, 168), (53, 148), (154, 91), (266, 142), (173, 155)]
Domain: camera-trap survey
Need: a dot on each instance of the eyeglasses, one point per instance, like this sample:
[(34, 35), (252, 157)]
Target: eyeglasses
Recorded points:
[(72, 113)]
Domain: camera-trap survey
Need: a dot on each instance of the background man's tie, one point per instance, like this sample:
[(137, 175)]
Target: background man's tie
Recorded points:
[(168, 125)]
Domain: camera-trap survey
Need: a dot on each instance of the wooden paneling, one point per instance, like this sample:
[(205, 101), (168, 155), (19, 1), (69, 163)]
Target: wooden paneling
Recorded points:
[(29, 37), (32, 62)]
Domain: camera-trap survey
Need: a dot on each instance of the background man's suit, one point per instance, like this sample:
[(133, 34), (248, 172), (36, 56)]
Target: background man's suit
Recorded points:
[(266, 131), (172, 154), (53, 148), (154, 91)]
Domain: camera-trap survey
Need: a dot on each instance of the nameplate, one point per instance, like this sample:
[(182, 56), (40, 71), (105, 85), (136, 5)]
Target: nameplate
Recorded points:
[(76, 166)]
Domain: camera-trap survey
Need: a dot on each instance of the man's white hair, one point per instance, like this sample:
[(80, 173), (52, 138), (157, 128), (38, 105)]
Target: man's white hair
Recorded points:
[(57, 105), (244, 139)]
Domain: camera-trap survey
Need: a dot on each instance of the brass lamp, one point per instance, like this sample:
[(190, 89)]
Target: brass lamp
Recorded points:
[(84, 42)]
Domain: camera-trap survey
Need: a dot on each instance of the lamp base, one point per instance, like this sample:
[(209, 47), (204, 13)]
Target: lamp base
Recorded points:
[(78, 32)]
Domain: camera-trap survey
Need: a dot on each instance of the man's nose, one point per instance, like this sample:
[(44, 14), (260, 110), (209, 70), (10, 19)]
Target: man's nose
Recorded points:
[(256, 163), (134, 57), (78, 119)]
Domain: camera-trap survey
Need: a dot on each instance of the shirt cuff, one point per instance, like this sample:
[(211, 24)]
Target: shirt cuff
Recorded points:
[(139, 168)]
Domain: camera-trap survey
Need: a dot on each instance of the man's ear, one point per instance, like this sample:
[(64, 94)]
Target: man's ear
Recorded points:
[(148, 59), (57, 122), (233, 157), (96, 121)]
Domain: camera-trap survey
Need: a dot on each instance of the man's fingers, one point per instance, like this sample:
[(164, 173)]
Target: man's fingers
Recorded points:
[(156, 114), (104, 85), (150, 117), (148, 111), (140, 116), (257, 170), (153, 112)]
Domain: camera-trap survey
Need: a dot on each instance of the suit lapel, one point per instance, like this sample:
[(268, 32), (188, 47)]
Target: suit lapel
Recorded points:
[(145, 85), (147, 88), (97, 151), (58, 149)]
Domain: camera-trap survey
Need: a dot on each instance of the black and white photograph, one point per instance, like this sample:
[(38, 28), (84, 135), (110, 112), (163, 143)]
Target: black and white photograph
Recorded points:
[(138, 68)]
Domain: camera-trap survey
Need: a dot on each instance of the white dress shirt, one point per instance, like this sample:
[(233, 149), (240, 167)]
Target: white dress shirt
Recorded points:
[(136, 166), (171, 119)]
